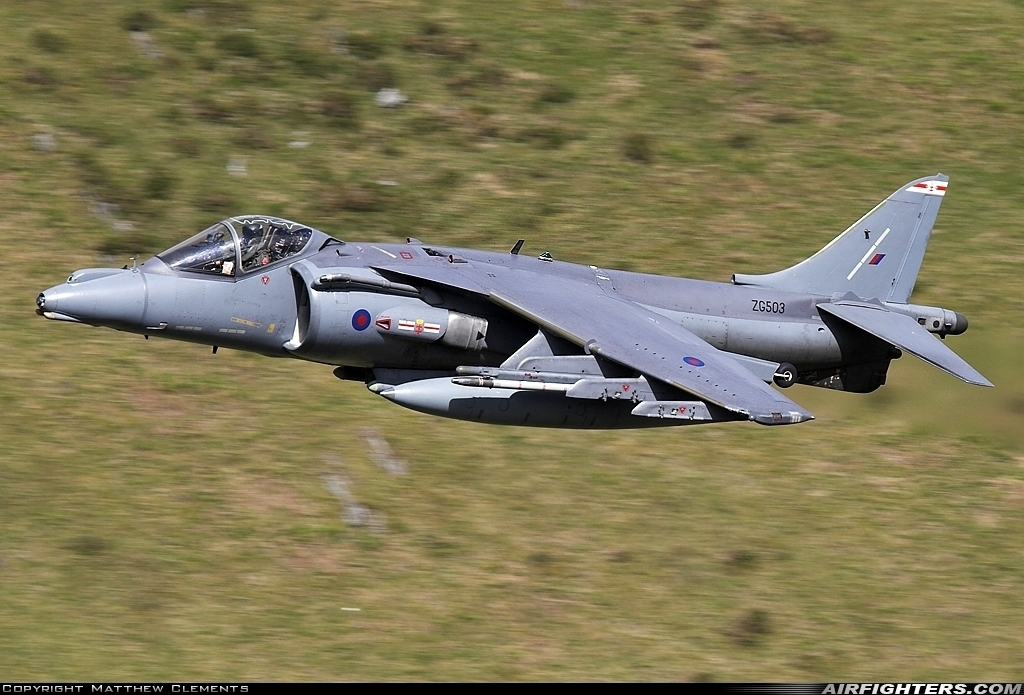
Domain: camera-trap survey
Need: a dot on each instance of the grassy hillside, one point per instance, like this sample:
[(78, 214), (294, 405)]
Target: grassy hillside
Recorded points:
[(169, 513)]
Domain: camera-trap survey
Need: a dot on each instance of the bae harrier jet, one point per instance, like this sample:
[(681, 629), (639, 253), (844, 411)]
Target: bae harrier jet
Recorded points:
[(506, 338)]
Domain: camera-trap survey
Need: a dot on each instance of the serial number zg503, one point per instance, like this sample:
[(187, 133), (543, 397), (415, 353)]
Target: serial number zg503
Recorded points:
[(768, 307)]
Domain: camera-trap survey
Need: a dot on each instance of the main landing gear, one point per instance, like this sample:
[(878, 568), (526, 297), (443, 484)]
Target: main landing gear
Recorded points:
[(785, 376)]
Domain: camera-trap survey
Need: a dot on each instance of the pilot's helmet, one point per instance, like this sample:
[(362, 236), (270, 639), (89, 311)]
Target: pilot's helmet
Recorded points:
[(251, 232)]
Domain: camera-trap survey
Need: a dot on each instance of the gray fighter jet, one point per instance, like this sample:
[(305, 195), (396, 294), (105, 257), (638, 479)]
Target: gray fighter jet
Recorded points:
[(501, 337)]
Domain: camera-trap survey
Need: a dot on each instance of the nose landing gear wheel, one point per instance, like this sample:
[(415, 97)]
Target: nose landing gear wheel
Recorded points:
[(785, 376)]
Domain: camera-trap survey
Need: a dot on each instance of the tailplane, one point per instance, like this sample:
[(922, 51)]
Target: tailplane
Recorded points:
[(878, 257)]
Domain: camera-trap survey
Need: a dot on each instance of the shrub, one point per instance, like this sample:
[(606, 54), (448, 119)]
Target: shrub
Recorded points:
[(365, 45), (548, 137), (697, 14), (139, 20), (49, 41), (253, 138), (210, 109), (639, 147), (376, 76), (555, 94), (750, 627), (306, 61), (159, 184), (340, 107), (433, 39), (186, 146), (41, 77), (240, 43), (740, 141)]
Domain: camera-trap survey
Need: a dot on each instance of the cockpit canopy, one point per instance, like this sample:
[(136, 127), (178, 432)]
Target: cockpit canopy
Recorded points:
[(239, 245)]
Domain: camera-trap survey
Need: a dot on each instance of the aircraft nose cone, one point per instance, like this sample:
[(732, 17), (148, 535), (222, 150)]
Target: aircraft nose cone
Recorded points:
[(117, 300)]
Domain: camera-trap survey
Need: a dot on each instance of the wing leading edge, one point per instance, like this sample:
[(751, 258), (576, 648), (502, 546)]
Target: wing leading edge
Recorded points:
[(621, 331)]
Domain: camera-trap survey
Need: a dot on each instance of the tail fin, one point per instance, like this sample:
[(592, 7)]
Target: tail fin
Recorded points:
[(878, 257)]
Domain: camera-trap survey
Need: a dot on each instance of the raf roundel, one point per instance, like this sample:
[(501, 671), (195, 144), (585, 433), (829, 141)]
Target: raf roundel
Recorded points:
[(693, 361), (361, 320)]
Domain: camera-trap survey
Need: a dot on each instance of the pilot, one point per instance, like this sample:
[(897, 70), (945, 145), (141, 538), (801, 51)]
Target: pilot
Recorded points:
[(252, 235)]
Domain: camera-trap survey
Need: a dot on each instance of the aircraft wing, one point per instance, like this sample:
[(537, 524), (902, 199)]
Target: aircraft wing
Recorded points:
[(621, 331), (905, 333)]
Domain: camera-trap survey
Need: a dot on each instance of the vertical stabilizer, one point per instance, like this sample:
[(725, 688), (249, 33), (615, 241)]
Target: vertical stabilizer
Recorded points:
[(879, 256)]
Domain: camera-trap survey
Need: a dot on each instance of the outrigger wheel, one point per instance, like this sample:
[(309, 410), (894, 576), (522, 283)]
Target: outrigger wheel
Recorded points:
[(785, 375)]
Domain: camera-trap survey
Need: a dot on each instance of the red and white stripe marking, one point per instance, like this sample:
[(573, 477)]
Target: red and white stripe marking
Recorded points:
[(929, 187), (418, 326)]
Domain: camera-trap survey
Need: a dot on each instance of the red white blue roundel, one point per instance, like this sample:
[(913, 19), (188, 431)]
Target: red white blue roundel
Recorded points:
[(693, 361), (361, 320)]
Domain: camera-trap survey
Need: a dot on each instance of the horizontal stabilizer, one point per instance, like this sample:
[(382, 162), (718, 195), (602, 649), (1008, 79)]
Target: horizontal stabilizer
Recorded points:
[(905, 333)]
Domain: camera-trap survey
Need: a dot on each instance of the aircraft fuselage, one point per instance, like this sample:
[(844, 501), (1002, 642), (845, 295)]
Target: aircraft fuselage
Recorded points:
[(263, 311)]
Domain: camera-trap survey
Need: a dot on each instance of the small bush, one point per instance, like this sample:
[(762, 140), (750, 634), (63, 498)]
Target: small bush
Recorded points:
[(639, 147), (91, 169), (139, 20), (448, 178), (206, 62), (434, 39), (210, 109), (540, 558), (89, 545), (697, 14), (492, 75), (40, 77), (740, 141), (240, 43), (365, 45), (622, 556), (782, 115), (253, 138), (158, 184), (741, 559), (376, 76), (186, 146), (431, 28), (464, 83), (427, 122), (341, 108), (555, 94), (304, 60), (751, 627), (547, 137), (49, 41)]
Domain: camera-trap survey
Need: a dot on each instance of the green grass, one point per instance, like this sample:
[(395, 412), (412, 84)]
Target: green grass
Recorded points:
[(163, 512)]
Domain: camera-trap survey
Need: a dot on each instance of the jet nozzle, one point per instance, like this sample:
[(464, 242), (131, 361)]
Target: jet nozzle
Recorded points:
[(959, 324)]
